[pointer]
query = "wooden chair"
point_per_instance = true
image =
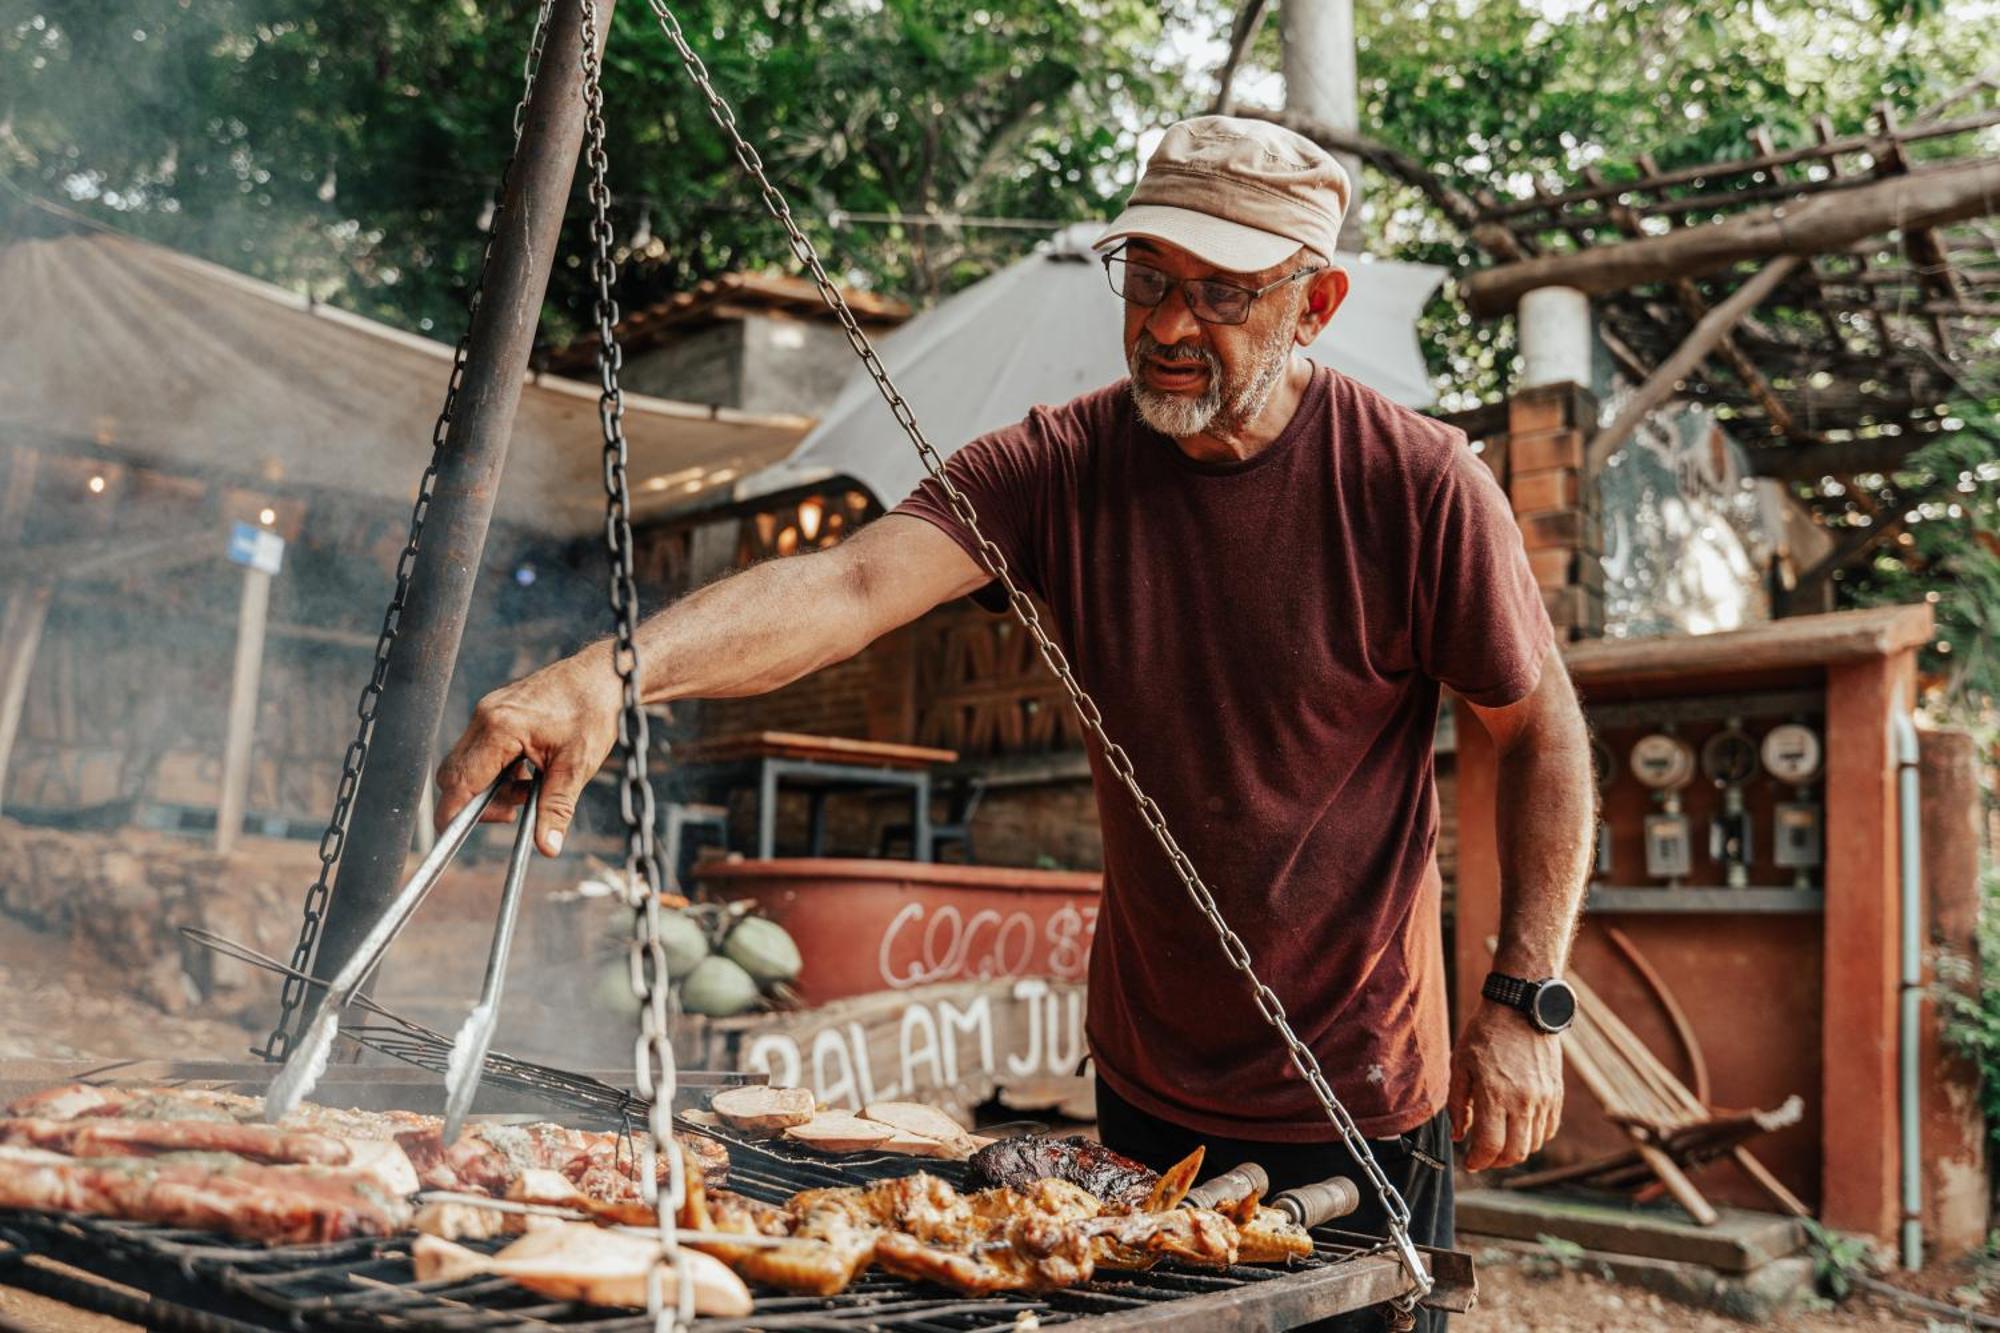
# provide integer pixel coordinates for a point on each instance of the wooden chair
(1673, 1129)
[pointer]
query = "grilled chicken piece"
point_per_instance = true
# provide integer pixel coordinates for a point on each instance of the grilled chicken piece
(1268, 1236)
(1110, 1176)
(1175, 1184)
(575, 1261)
(1140, 1240)
(1029, 1254)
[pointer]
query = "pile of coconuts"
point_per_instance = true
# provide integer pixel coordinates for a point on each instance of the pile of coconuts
(723, 960)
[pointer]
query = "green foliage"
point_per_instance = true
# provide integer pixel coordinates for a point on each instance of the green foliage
(1837, 1259)
(1967, 992)
(1949, 554)
(351, 146)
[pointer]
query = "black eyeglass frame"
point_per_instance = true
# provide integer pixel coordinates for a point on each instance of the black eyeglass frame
(1185, 285)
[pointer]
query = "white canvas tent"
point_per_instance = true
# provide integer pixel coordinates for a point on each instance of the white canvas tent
(107, 341)
(1045, 330)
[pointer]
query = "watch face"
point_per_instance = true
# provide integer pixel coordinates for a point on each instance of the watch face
(1555, 1006)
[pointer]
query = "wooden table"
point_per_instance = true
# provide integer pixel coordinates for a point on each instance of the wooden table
(817, 764)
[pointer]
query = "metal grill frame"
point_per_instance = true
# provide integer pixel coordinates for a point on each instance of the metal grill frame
(199, 1281)
(204, 1283)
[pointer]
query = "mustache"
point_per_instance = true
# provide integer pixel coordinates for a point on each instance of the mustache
(1150, 346)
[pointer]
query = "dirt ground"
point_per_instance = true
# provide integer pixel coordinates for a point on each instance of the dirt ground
(1518, 1295)
(55, 1006)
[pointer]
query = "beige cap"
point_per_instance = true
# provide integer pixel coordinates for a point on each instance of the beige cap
(1242, 195)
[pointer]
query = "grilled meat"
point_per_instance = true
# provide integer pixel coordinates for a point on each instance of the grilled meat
(282, 1205)
(574, 1261)
(1111, 1176)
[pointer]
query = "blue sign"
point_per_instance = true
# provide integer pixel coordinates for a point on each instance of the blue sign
(259, 548)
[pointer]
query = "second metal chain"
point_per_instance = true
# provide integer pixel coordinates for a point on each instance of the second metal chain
(995, 561)
(653, 1053)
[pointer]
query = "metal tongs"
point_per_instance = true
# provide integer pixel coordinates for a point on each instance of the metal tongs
(308, 1060)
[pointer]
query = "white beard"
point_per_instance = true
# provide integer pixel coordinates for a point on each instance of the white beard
(1228, 406)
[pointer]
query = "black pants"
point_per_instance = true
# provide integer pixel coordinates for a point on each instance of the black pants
(1418, 1164)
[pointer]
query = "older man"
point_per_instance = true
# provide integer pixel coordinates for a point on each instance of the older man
(1264, 572)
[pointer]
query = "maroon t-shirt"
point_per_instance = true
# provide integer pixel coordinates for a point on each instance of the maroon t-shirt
(1267, 639)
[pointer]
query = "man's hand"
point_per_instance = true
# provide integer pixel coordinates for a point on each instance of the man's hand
(563, 717)
(1506, 1088)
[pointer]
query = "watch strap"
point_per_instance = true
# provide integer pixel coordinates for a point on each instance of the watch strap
(1514, 992)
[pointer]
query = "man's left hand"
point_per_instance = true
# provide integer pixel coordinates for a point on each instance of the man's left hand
(1506, 1088)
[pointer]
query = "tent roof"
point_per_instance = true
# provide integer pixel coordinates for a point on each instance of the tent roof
(176, 362)
(1044, 330)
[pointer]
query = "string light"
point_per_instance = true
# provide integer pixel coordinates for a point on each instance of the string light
(268, 517)
(97, 485)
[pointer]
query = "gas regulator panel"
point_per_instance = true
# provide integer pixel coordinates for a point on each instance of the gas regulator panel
(1713, 798)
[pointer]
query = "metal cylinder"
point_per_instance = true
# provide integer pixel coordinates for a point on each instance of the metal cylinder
(447, 565)
(1232, 1186)
(1317, 1204)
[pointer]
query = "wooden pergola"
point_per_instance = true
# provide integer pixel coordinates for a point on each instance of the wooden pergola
(1828, 299)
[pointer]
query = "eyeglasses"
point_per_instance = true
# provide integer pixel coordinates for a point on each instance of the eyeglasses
(1210, 300)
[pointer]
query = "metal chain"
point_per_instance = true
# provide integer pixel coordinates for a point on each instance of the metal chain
(334, 840)
(653, 1053)
(1115, 756)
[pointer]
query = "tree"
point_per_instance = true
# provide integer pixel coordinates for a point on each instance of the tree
(351, 147)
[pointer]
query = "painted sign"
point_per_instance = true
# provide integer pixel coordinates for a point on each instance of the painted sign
(928, 941)
(950, 1044)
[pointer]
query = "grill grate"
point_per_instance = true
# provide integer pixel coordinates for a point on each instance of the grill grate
(211, 1282)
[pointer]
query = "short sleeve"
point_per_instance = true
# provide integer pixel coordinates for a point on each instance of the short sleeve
(1479, 625)
(1007, 476)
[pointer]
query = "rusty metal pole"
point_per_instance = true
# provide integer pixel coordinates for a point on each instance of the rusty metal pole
(447, 564)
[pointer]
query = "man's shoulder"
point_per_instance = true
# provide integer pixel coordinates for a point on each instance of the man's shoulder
(1056, 431)
(1391, 442)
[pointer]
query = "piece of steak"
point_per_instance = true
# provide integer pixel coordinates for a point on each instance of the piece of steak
(1082, 1162)
(280, 1205)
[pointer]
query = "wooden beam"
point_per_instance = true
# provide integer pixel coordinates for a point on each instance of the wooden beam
(1813, 226)
(1928, 257)
(253, 614)
(20, 635)
(1705, 335)
(1841, 458)
(1872, 144)
(1696, 307)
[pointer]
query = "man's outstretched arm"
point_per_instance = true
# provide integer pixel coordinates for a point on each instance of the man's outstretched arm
(746, 634)
(1507, 1078)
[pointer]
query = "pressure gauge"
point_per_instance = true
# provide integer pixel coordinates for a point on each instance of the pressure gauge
(1663, 762)
(1603, 764)
(1729, 758)
(1792, 753)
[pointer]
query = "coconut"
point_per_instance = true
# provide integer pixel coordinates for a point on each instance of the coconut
(718, 988)
(685, 942)
(763, 949)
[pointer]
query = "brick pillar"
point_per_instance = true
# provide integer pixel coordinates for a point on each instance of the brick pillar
(1541, 465)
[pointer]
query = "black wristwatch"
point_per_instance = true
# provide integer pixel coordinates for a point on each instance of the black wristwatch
(1549, 1004)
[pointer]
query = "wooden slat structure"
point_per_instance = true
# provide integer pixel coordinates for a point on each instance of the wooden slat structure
(1878, 255)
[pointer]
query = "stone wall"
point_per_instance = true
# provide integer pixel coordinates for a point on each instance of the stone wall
(113, 904)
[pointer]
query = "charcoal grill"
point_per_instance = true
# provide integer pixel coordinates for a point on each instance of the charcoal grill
(188, 1280)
